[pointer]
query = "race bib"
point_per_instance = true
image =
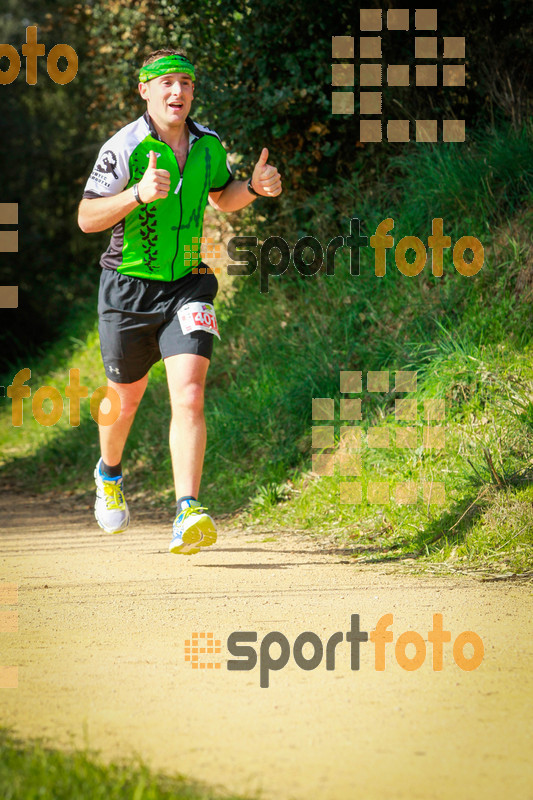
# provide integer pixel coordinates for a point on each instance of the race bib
(198, 317)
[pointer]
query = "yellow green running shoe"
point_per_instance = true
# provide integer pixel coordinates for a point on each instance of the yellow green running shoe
(110, 509)
(192, 529)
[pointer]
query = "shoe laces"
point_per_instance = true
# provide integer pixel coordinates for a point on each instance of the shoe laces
(114, 496)
(187, 512)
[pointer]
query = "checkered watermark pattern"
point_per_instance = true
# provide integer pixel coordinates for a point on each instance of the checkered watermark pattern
(9, 243)
(8, 624)
(373, 73)
(202, 644)
(201, 247)
(348, 456)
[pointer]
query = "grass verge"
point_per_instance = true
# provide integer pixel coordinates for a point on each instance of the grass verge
(32, 771)
(465, 503)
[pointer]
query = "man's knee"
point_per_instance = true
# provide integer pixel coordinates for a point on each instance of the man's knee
(129, 406)
(130, 396)
(189, 397)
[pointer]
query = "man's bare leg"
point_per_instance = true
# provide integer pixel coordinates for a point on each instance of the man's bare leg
(111, 510)
(113, 437)
(186, 376)
(193, 528)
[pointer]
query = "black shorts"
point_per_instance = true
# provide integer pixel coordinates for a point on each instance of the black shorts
(138, 322)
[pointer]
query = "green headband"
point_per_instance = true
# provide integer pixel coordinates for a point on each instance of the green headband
(164, 66)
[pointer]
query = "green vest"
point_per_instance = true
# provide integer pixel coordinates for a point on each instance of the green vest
(159, 240)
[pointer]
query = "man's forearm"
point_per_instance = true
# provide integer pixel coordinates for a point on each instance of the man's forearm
(100, 213)
(234, 197)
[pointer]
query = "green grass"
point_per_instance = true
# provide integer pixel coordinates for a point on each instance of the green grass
(486, 519)
(469, 339)
(33, 771)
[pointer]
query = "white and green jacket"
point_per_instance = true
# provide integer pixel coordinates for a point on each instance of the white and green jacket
(155, 240)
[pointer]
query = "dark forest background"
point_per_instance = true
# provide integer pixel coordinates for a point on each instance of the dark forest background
(264, 77)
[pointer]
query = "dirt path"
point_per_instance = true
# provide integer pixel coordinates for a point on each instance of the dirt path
(100, 649)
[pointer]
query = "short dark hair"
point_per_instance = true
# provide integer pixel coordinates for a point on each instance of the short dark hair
(155, 54)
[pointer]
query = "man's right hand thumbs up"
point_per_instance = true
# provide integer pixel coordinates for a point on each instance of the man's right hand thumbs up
(266, 179)
(155, 183)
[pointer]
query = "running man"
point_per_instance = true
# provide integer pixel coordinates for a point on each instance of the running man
(151, 183)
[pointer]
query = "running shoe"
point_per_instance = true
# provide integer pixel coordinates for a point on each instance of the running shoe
(192, 529)
(110, 509)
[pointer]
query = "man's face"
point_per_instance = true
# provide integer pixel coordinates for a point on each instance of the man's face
(168, 98)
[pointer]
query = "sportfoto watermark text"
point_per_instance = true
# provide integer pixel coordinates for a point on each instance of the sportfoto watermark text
(308, 254)
(275, 649)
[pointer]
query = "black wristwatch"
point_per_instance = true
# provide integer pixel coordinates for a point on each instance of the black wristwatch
(136, 194)
(251, 189)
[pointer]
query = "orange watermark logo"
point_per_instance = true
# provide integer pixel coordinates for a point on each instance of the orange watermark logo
(201, 645)
(74, 391)
(200, 248)
(32, 50)
(441, 62)
(9, 243)
(348, 457)
(309, 651)
(309, 256)
(9, 623)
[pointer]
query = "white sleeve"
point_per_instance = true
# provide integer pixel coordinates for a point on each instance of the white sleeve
(111, 172)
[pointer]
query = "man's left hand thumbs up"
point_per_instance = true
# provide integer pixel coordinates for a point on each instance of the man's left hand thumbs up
(266, 179)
